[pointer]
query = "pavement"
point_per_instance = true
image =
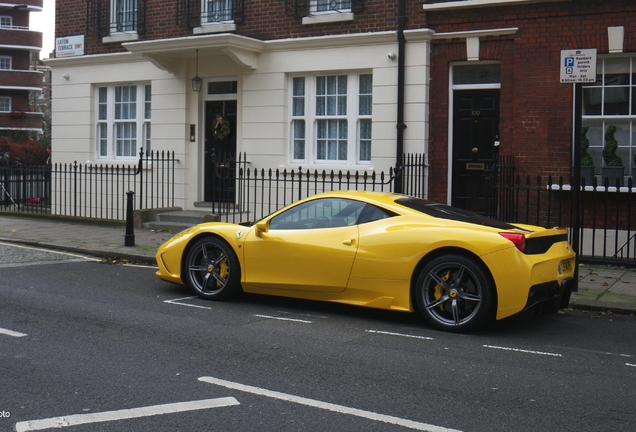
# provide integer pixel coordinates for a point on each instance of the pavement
(603, 288)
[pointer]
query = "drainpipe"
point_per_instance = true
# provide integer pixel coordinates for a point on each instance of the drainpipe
(400, 93)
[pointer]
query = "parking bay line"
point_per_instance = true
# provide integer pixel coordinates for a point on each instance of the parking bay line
(399, 334)
(106, 416)
(327, 406)
(283, 318)
(523, 351)
(178, 302)
(11, 333)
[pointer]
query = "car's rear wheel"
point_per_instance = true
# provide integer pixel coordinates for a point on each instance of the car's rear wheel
(454, 293)
(212, 269)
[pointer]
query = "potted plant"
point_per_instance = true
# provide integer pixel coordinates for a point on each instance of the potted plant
(587, 163)
(613, 169)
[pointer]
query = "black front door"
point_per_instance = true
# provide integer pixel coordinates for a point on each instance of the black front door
(475, 146)
(220, 144)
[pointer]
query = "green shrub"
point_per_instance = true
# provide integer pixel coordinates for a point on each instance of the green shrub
(586, 158)
(609, 150)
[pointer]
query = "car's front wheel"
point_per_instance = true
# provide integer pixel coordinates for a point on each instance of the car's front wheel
(454, 293)
(212, 269)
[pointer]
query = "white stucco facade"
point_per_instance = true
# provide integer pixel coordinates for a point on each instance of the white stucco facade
(263, 71)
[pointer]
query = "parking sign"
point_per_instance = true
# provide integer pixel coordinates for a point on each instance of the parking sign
(578, 66)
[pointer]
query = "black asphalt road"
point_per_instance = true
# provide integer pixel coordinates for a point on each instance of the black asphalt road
(90, 342)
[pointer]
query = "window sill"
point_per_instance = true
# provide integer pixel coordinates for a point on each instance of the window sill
(328, 18)
(568, 188)
(326, 167)
(215, 28)
(123, 37)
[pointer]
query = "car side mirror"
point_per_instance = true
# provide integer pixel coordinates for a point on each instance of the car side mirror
(261, 228)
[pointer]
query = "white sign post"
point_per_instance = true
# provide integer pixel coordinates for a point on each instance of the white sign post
(578, 66)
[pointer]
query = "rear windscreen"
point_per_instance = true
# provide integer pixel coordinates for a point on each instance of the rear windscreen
(443, 211)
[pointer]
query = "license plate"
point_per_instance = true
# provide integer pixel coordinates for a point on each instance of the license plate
(565, 266)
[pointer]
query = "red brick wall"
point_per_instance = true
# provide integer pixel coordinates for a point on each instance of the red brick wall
(536, 109)
(264, 19)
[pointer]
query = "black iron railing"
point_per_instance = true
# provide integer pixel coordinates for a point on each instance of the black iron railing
(89, 190)
(608, 213)
(244, 193)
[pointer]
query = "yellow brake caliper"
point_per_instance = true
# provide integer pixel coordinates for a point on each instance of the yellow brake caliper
(224, 271)
(438, 289)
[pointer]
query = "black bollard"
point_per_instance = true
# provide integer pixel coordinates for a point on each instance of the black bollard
(129, 238)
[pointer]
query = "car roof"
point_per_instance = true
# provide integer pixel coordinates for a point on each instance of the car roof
(405, 204)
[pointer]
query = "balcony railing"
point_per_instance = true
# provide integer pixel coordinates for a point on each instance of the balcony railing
(190, 13)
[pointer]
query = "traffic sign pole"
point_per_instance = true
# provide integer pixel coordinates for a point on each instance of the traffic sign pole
(577, 67)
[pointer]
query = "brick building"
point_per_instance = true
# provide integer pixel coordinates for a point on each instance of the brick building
(17, 45)
(330, 85)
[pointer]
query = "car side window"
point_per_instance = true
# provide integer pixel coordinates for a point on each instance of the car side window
(319, 213)
(372, 213)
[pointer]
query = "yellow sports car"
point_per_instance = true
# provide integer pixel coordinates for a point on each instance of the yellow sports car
(381, 250)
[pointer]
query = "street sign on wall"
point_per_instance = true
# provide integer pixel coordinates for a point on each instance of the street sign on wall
(578, 66)
(69, 46)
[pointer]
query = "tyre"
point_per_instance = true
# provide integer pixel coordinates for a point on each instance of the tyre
(454, 293)
(211, 269)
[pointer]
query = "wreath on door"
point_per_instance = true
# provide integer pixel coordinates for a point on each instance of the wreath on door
(220, 127)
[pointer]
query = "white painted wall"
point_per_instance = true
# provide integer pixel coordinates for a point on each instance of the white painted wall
(263, 101)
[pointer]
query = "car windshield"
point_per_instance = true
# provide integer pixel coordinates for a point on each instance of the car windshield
(443, 211)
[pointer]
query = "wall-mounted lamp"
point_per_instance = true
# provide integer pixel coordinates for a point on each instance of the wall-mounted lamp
(66, 76)
(196, 81)
(392, 56)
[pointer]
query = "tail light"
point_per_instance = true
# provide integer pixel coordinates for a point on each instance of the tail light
(519, 240)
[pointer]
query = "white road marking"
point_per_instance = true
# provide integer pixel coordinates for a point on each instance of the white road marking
(283, 319)
(524, 351)
(560, 347)
(11, 333)
(84, 257)
(78, 419)
(177, 302)
(327, 406)
(399, 334)
(629, 364)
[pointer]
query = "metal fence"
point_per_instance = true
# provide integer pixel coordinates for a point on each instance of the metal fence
(244, 193)
(89, 190)
(607, 231)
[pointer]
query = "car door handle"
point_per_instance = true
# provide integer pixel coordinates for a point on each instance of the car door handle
(349, 242)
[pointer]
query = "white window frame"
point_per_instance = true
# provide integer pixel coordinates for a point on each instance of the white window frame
(6, 21)
(131, 8)
(319, 16)
(114, 116)
(6, 61)
(304, 147)
(5, 103)
(609, 91)
(228, 5)
(318, 7)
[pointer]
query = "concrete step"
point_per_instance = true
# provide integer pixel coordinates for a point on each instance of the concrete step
(179, 220)
(174, 227)
(192, 217)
